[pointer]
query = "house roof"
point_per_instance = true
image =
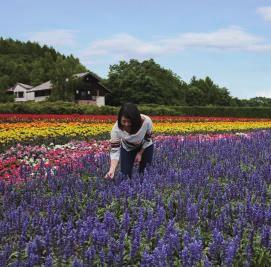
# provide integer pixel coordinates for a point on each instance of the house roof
(26, 86)
(105, 87)
(80, 75)
(11, 89)
(83, 74)
(48, 85)
(44, 86)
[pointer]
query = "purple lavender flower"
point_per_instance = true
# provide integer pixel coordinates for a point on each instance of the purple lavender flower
(49, 261)
(135, 241)
(77, 263)
(126, 220)
(195, 249)
(230, 250)
(147, 259)
(265, 236)
(160, 254)
(217, 245)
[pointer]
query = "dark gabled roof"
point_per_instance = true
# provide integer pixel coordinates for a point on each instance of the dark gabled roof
(83, 74)
(80, 75)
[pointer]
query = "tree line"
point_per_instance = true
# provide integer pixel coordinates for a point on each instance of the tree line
(143, 82)
(147, 82)
(33, 64)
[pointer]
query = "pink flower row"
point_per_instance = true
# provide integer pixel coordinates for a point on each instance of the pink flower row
(55, 156)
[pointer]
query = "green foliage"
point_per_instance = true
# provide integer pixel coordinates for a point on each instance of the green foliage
(64, 83)
(258, 102)
(60, 107)
(148, 83)
(210, 111)
(204, 92)
(33, 64)
(194, 96)
(144, 82)
(56, 107)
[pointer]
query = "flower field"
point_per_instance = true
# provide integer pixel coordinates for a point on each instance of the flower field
(37, 129)
(204, 202)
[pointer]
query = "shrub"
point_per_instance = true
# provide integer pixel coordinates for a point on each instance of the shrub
(60, 107)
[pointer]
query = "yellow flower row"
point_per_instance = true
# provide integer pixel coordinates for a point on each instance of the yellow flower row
(218, 126)
(18, 132)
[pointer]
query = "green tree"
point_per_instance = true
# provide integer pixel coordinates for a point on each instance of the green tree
(212, 94)
(63, 79)
(194, 96)
(144, 82)
(4, 83)
(29, 63)
(259, 102)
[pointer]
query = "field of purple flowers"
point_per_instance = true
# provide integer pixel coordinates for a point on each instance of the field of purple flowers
(203, 203)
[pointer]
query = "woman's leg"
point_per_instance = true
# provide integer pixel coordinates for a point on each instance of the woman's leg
(146, 158)
(127, 159)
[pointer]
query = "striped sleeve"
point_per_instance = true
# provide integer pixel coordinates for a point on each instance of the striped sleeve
(148, 136)
(115, 143)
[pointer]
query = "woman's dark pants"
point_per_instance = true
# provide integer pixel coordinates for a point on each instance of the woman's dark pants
(127, 159)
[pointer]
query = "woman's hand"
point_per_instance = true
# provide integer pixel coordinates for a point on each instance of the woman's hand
(110, 174)
(113, 166)
(138, 157)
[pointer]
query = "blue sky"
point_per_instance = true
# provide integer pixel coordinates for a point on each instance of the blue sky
(230, 41)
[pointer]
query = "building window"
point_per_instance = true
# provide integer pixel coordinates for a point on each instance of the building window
(77, 92)
(88, 92)
(83, 94)
(43, 93)
(20, 94)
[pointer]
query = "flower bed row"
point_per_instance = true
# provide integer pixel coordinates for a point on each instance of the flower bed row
(62, 132)
(21, 163)
(108, 118)
(201, 204)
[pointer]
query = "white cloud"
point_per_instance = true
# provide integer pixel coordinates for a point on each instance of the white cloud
(124, 45)
(264, 93)
(58, 37)
(232, 38)
(127, 46)
(265, 12)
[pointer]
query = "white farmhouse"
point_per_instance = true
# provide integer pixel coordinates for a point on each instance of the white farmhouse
(21, 92)
(42, 91)
(90, 91)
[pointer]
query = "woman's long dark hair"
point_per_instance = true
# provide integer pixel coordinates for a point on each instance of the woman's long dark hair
(131, 112)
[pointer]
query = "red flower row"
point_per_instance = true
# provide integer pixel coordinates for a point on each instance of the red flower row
(108, 118)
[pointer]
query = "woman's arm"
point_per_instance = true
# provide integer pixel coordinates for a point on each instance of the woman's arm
(114, 152)
(148, 136)
(113, 165)
(146, 141)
